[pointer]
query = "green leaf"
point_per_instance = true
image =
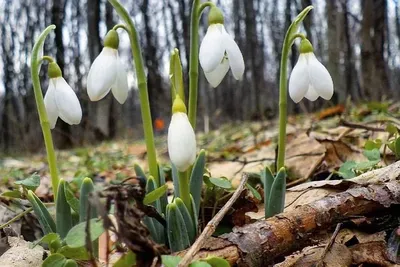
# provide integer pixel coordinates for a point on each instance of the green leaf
(77, 235)
(63, 211)
(375, 144)
(347, 169)
(12, 194)
(199, 264)
(391, 129)
(70, 197)
(187, 218)
(372, 155)
(70, 263)
(163, 198)
(196, 179)
(74, 253)
(175, 180)
(54, 260)
(366, 165)
(221, 182)
(276, 201)
(46, 221)
(195, 215)
(139, 171)
(155, 194)
(217, 262)
(176, 229)
(397, 147)
(170, 261)
(87, 187)
(159, 229)
(268, 180)
(31, 183)
(128, 259)
(253, 191)
(46, 239)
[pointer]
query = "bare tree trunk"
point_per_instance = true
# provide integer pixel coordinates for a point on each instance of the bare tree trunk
(62, 136)
(373, 65)
(152, 59)
(334, 48)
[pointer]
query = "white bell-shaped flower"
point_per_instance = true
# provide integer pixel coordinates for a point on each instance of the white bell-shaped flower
(60, 100)
(309, 78)
(219, 51)
(108, 73)
(181, 138)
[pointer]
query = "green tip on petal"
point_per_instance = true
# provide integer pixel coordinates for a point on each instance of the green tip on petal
(178, 105)
(54, 70)
(111, 40)
(306, 46)
(215, 16)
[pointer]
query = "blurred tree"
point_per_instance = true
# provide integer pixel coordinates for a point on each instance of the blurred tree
(373, 65)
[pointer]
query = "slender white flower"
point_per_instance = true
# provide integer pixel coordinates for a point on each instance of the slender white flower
(219, 51)
(108, 73)
(309, 78)
(60, 100)
(181, 137)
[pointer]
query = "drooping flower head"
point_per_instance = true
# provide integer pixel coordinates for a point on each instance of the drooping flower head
(219, 52)
(60, 100)
(107, 72)
(181, 137)
(309, 78)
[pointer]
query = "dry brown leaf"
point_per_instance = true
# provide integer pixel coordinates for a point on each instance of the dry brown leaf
(370, 253)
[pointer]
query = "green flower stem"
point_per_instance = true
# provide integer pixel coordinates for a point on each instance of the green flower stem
(290, 36)
(184, 190)
(143, 91)
(48, 58)
(44, 121)
(197, 9)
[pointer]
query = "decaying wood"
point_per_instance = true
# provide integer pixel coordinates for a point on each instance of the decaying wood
(260, 243)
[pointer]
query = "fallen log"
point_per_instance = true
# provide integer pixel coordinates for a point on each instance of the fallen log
(260, 243)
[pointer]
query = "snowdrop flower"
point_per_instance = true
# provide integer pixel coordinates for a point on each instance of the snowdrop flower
(219, 52)
(309, 78)
(107, 72)
(181, 137)
(60, 100)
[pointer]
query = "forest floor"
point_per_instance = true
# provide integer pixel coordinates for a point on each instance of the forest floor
(324, 150)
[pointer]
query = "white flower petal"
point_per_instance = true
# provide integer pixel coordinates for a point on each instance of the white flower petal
(320, 78)
(216, 76)
(311, 94)
(181, 142)
(212, 49)
(67, 102)
(102, 74)
(299, 80)
(50, 104)
(120, 88)
(235, 56)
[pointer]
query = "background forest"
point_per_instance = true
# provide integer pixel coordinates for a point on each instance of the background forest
(358, 41)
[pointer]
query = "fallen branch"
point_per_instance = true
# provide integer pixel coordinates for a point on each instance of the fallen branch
(355, 125)
(212, 225)
(260, 243)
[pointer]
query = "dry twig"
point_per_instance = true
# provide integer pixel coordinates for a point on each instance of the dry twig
(212, 225)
